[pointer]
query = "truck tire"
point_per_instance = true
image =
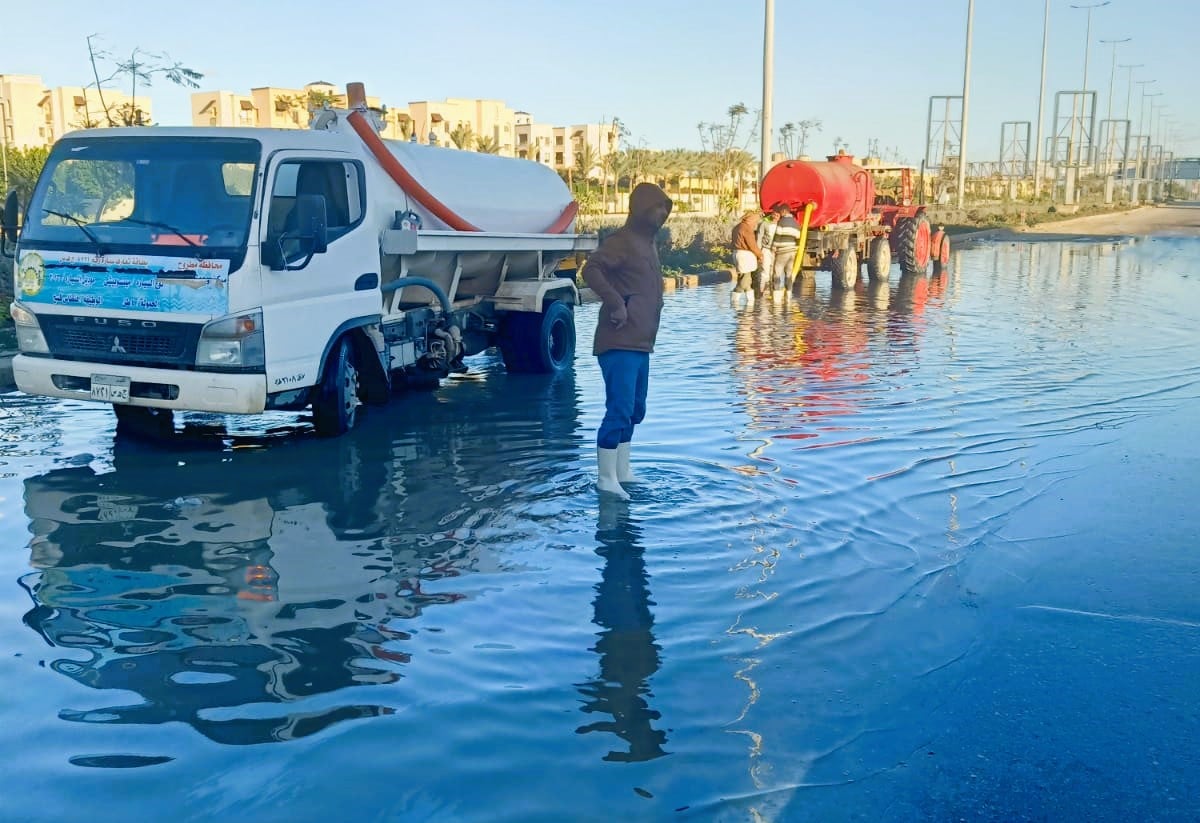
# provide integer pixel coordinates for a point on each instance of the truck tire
(845, 269)
(544, 343)
(335, 407)
(879, 259)
(144, 421)
(912, 236)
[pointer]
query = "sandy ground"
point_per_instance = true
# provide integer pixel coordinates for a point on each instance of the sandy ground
(1176, 220)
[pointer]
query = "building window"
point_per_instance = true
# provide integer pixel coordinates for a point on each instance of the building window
(558, 140)
(558, 158)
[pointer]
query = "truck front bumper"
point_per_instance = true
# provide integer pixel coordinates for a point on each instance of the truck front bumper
(159, 388)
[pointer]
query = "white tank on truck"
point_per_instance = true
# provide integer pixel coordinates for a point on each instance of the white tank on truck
(244, 269)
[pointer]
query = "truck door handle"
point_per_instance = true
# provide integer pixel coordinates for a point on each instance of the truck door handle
(366, 282)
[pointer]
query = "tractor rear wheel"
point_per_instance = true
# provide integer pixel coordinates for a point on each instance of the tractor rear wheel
(913, 244)
(879, 259)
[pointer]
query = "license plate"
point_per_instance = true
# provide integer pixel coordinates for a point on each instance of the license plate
(110, 388)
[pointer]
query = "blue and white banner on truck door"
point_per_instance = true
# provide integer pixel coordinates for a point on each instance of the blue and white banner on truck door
(124, 281)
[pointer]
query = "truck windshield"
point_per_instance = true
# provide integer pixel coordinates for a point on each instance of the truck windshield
(164, 195)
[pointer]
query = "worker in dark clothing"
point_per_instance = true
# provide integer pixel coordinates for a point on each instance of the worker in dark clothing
(626, 275)
(784, 244)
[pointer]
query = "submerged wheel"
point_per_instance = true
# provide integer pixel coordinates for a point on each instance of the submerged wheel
(941, 256)
(879, 259)
(335, 408)
(845, 269)
(143, 420)
(912, 244)
(533, 343)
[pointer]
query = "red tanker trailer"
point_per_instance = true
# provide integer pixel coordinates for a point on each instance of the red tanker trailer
(844, 222)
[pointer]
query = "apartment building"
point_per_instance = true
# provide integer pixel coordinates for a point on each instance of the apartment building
(455, 122)
(33, 115)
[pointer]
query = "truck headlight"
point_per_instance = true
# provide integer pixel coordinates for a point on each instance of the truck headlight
(232, 342)
(30, 339)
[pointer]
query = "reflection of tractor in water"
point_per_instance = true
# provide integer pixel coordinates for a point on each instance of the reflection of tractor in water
(850, 213)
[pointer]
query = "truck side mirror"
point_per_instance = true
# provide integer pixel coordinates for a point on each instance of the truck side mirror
(8, 225)
(307, 234)
(312, 222)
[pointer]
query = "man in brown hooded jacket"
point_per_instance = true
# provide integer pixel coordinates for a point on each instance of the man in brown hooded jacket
(625, 274)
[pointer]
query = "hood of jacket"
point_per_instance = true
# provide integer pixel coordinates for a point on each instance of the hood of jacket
(643, 201)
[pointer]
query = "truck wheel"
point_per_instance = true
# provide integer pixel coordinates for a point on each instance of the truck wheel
(879, 259)
(845, 269)
(335, 408)
(542, 343)
(144, 420)
(941, 257)
(912, 244)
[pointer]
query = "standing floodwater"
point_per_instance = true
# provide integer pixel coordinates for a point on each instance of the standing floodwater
(918, 551)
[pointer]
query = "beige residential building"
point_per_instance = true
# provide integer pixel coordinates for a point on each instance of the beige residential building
(276, 107)
(435, 122)
(33, 115)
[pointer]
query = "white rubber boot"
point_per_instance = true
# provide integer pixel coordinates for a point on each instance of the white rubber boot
(777, 295)
(624, 470)
(607, 481)
(749, 299)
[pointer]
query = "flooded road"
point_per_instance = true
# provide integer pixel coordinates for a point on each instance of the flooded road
(921, 552)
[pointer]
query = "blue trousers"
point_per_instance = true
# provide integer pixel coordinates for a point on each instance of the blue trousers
(626, 379)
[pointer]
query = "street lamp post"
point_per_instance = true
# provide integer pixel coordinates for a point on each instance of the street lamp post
(4, 109)
(767, 84)
(966, 93)
(1037, 157)
(1129, 87)
(1087, 50)
(1112, 76)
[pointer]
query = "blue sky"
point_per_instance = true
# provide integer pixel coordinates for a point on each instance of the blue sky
(866, 69)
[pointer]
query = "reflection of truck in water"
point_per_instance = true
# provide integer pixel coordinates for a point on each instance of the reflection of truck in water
(240, 270)
(267, 578)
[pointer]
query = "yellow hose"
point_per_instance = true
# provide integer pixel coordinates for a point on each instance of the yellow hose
(808, 210)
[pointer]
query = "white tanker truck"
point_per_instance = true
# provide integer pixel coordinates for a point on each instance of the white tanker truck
(245, 269)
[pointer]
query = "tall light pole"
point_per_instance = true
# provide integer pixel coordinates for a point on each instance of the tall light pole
(1087, 46)
(1112, 75)
(4, 108)
(1037, 157)
(1129, 89)
(966, 99)
(767, 84)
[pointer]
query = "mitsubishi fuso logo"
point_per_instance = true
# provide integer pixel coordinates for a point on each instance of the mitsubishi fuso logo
(117, 347)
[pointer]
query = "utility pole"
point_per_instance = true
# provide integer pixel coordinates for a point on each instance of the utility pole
(1108, 137)
(1037, 161)
(962, 141)
(1112, 75)
(767, 84)
(4, 110)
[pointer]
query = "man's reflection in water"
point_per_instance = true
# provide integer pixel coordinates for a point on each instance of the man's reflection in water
(628, 653)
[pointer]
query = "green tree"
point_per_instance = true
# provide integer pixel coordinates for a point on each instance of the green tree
(462, 136)
(487, 145)
(139, 69)
(24, 166)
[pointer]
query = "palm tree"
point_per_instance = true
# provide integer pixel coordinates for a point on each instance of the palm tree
(462, 136)
(487, 145)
